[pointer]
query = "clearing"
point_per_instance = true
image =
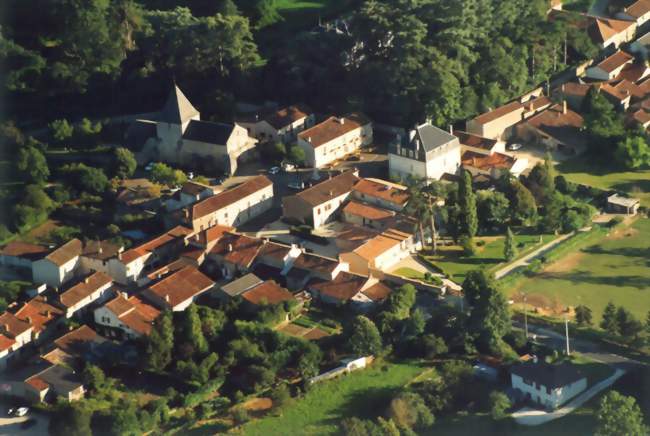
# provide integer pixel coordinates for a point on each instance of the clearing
(612, 268)
(636, 183)
(489, 256)
(321, 410)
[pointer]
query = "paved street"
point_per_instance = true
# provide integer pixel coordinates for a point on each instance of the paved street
(525, 260)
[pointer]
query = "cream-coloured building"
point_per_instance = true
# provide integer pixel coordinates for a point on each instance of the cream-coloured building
(14, 334)
(232, 207)
(282, 125)
(639, 12)
(319, 204)
(59, 266)
(427, 152)
(96, 288)
(381, 252)
(334, 138)
(611, 66)
(178, 135)
(126, 317)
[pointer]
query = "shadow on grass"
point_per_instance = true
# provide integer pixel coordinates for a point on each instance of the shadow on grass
(624, 251)
(582, 277)
(641, 185)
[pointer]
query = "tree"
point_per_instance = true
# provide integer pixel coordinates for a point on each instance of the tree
(400, 301)
(34, 196)
(280, 396)
(619, 414)
(522, 202)
(493, 209)
(417, 206)
(583, 315)
(364, 339)
(72, 420)
(489, 318)
(541, 181)
(409, 410)
(628, 326)
(94, 378)
(433, 346)
(61, 130)
(125, 163)
(499, 403)
(93, 180)
(164, 174)
(647, 327)
(192, 332)
(273, 152)
(602, 123)
(160, 343)
(510, 246)
(297, 155)
(467, 202)
(124, 420)
(87, 133)
(609, 323)
(633, 152)
(33, 164)
(416, 322)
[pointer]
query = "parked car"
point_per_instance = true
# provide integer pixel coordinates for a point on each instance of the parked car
(274, 170)
(515, 146)
(20, 411)
(288, 167)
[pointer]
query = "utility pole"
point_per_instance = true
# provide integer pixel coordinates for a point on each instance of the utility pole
(566, 331)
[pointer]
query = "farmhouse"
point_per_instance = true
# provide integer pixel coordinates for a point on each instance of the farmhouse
(610, 67)
(334, 138)
(619, 204)
(546, 384)
(381, 193)
(380, 253)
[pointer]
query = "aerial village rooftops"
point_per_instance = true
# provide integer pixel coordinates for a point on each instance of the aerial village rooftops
(238, 249)
(208, 132)
(475, 141)
(638, 9)
(501, 111)
(381, 243)
(134, 312)
(181, 286)
(85, 288)
(39, 312)
(155, 243)
(241, 285)
(344, 286)
(615, 61)
(367, 211)
(287, 115)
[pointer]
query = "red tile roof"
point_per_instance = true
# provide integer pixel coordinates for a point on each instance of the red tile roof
(23, 249)
(381, 244)
(85, 288)
(65, 253)
(617, 60)
(487, 161)
(268, 292)
(181, 286)
(499, 112)
(276, 251)
(387, 191)
(238, 249)
(329, 189)
(332, 128)
(343, 287)
(12, 326)
(377, 292)
(229, 196)
(288, 115)
(75, 341)
(39, 313)
(37, 383)
(6, 342)
(603, 29)
(155, 243)
(367, 211)
(134, 313)
(638, 9)
(475, 141)
(554, 117)
(312, 262)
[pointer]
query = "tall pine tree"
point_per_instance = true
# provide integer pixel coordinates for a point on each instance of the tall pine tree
(609, 322)
(510, 247)
(467, 201)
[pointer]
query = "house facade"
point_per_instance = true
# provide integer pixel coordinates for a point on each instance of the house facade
(379, 253)
(548, 385)
(282, 125)
(59, 266)
(334, 138)
(427, 152)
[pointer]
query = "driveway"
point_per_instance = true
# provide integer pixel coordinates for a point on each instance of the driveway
(12, 425)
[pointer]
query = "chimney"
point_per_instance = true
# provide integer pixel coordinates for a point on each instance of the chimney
(48, 314)
(186, 213)
(99, 247)
(167, 298)
(28, 319)
(309, 139)
(411, 135)
(229, 247)
(119, 255)
(564, 106)
(6, 327)
(451, 129)
(341, 120)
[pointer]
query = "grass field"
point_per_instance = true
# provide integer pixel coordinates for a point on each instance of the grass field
(364, 394)
(489, 256)
(579, 170)
(612, 268)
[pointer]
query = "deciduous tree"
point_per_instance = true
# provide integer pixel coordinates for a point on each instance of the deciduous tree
(619, 414)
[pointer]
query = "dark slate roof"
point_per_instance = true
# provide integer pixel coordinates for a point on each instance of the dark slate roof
(241, 285)
(206, 131)
(430, 138)
(178, 108)
(548, 375)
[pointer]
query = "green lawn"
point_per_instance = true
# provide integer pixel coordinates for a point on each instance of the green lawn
(292, 5)
(409, 273)
(580, 170)
(611, 268)
(452, 262)
(364, 394)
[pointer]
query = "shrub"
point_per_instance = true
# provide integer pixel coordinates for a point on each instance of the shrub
(467, 243)
(480, 243)
(615, 221)
(240, 416)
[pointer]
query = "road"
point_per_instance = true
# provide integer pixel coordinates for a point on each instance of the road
(12, 425)
(525, 260)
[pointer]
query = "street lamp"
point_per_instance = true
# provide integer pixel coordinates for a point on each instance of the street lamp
(525, 316)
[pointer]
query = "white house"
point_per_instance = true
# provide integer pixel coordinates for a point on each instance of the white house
(334, 138)
(380, 253)
(317, 205)
(427, 152)
(190, 193)
(93, 289)
(59, 266)
(232, 207)
(126, 317)
(610, 67)
(546, 384)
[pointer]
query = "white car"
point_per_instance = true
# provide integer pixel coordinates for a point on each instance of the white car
(274, 170)
(20, 411)
(288, 167)
(514, 147)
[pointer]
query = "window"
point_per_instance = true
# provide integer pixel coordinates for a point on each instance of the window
(318, 211)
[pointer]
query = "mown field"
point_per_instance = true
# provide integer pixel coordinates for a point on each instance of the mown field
(580, 170)
(614, 268)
